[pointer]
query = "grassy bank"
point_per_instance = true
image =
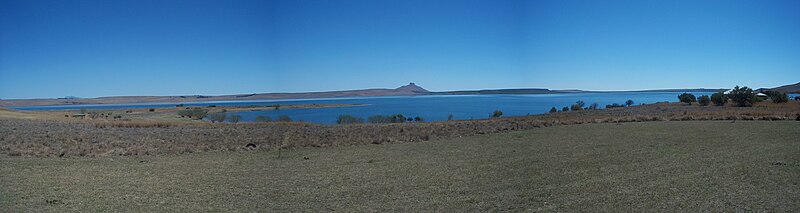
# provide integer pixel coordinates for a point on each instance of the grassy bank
(647, 166)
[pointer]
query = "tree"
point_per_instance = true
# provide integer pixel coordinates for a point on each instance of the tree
(262, 118)
(593, 106)
(565, 109)
(418, 119)
(349, 119)
(687, 98)
(450, 117)
(780, 98)
(552, 110)
(497, 114)
(704, 100)
(628, 102)
(743, 97)
(719, 98)
(235, 118)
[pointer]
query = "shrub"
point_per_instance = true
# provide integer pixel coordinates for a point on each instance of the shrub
(450, 117)
(151, 110)
(217, 117)
(196, 113)
(497, 114)
(552, 110)
(687, 98)
(614, 105)
(780, 98)
(418, 119)
(235, 118)
(593, 106)
(349, 119)
(743, 97)
(719, 98)
(578, 105)
(284, 118)
(565, 109)
(704, 100)
(262, 118)
(628, 102)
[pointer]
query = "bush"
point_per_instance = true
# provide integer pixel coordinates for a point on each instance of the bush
(151, 110)
(565, 109)
(262, 118)
(217, 117)
(235, 118)
(284, 118)
(719, 98)
(593, 106)
(614, 105)
(196, 113)
(687, 98)
(780, 98)
(497, 114)
(450, 117)
(743, 97)
(704, 100)
(628, 102)
(552, 110)
(578, 105)
(349, 119)
(418, 119)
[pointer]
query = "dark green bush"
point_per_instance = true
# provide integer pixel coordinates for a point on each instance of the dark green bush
(497, 114)
(743, 97)
(719, 98)
(552, 110)
(578, 105)
(565, 109)
(628, 102)
(687, 98)
(704, 100)
(780, 98)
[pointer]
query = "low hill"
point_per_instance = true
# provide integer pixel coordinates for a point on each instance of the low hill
(791, 88)
(410, 89)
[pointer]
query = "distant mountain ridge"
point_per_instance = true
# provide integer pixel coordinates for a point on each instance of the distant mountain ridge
(410, 89)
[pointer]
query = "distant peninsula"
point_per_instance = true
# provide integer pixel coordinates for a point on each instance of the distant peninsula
(407, 90)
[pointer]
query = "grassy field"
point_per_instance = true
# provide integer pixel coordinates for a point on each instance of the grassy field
(645, 166)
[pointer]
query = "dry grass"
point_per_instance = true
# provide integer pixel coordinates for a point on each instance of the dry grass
(692, 166)
(100, 137)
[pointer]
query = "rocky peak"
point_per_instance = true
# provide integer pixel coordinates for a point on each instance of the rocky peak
(411, 87)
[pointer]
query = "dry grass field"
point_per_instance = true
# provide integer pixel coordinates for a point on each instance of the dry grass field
(665, 166)
(50, 134)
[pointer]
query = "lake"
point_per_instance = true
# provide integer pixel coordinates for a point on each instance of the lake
(430, 108)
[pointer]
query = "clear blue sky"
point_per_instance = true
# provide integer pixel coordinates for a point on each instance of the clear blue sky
(90, 48)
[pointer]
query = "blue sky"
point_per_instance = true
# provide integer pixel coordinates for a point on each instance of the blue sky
(90, 48)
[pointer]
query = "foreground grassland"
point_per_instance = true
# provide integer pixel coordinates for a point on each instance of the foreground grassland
(607, 167)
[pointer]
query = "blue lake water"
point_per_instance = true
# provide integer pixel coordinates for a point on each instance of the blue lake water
(431, 108)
